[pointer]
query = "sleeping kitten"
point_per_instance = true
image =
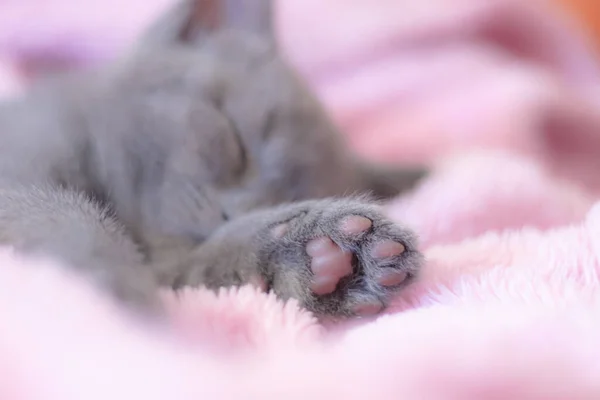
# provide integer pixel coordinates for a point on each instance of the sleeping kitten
(200, 158)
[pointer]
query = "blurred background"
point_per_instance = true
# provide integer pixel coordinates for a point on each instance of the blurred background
(587, 12)
(407, 81)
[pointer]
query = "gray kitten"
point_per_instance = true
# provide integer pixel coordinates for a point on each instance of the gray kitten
(200, 158)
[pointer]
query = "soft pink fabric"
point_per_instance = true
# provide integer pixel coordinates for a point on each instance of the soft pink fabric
(513, 314)
(508, 305)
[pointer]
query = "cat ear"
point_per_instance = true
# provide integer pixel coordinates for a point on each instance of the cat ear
(255, 16)
(192, 20)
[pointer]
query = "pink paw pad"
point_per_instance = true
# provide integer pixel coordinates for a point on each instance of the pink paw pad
(387, 249)
(368, 309)
(279, 231)
(329, 264)
(355, 224)
(392, 278)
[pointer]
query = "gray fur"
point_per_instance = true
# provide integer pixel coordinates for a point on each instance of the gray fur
(248, 241)
(146, 172)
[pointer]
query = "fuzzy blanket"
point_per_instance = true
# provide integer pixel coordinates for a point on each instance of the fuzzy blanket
(508, 305)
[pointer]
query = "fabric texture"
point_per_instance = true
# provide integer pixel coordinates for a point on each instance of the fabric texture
(501, 95)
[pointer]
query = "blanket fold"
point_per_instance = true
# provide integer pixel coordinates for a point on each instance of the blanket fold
(502, 94)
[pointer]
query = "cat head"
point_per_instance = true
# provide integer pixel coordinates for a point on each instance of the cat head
(288, 146)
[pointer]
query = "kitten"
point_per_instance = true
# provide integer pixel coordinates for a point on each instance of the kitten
(201, 158)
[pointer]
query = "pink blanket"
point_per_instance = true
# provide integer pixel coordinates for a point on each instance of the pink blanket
(508, 305)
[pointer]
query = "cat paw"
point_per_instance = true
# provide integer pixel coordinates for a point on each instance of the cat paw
(342, 258)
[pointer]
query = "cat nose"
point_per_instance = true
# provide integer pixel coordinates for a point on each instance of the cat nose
(225, 216)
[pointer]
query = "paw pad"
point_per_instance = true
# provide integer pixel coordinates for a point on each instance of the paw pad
(329, 264)
(355, 224)
(352, 260)
(387, 249)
